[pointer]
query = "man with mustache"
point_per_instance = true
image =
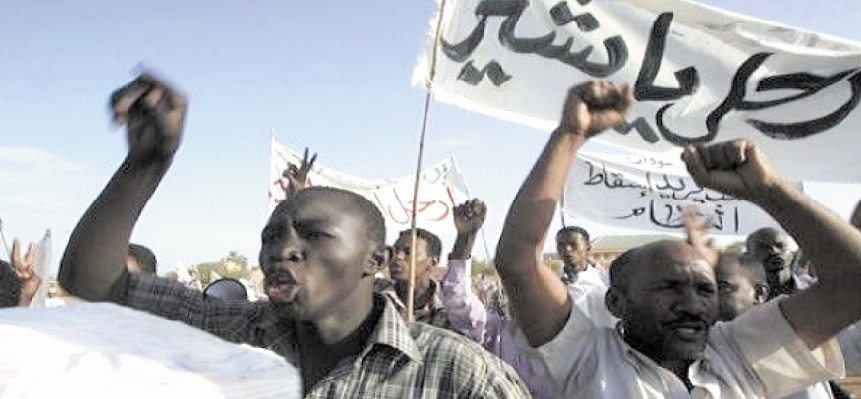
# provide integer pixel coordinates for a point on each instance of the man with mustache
(665, 293)
(320, 251)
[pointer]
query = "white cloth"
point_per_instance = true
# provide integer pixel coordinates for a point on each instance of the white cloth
(588, 291)
(102, 350)
(850, 345)
(758, 355)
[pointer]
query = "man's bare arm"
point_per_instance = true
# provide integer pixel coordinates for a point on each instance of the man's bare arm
(540, 300)
(817, 314)
(95, 257)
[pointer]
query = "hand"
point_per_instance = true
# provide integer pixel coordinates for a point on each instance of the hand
(593, 107)
(737, 168)
(697, 229)
(469, 216)
(297, 177)
(30, 281)
(154, 115)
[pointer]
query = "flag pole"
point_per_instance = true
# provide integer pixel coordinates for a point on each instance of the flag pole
(428, 98)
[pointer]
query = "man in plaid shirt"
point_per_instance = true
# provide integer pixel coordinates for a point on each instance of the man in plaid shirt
(320, 251)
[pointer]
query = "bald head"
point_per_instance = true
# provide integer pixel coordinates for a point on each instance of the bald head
(647, 257)
(666, 297)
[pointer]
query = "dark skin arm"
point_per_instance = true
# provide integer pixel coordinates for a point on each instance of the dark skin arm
(468, 219)
(540, 300)
(154, 115)
(740, 169)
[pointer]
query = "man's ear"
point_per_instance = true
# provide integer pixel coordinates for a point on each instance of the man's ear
(434, 262)
(617, 303)
(760, 293)
(378, 260)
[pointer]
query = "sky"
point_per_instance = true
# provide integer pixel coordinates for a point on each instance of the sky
(330, 75)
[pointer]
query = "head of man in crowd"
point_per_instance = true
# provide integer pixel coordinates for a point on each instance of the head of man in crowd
(228, 289)
(772, 248)
(573, 245)
(141, 260)
(319, 254)
(10, 285)
(855, 218)
(665, 294)
(741, 285)
(428, 249)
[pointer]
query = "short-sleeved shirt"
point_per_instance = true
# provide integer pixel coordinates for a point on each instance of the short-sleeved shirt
(400, 359)
(588, 289)
(757, 355)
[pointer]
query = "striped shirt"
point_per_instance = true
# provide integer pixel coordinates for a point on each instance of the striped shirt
(400, 360)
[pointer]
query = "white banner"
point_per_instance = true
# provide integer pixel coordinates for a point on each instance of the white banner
(442, 188)
(699, 75)
(641, 191)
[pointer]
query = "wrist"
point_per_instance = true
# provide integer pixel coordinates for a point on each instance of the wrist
(462, 248)
(775, 196)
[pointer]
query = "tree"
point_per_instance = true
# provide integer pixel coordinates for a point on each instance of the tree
(234, 265)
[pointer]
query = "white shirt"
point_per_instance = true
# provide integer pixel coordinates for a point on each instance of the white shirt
(757, 355)
(588, 291)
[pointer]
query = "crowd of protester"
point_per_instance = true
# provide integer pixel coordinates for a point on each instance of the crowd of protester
(361, 317)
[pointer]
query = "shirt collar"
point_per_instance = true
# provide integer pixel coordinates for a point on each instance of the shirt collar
(392, 331)
(433, 304)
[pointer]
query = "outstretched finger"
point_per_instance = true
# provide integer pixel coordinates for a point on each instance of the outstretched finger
(16, 253)
(30, 258)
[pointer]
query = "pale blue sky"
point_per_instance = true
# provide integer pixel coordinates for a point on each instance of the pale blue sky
(331, 75)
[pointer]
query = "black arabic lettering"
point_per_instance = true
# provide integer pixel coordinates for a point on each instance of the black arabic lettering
(472, 75)
(672, 219)
(808, 84)
(634, 213)
(617, 51)
(512, 10)
(644, 88)
(594, 178)
(641, 126)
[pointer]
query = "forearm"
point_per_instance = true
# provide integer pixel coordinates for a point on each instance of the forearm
(834, 246)
(525, 227)
(540, 300)
(463, 244)
(96, 253)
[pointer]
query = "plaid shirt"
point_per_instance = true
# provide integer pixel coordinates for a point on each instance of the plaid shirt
(400, 360)
(433, 312)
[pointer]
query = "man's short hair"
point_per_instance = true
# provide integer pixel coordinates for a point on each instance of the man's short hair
(145, 258)
(10, 286)
(753, 269)
(434, 245)
(372, 216)
(765, 231)
(575, 230)
(226, 288)
(619, 270)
